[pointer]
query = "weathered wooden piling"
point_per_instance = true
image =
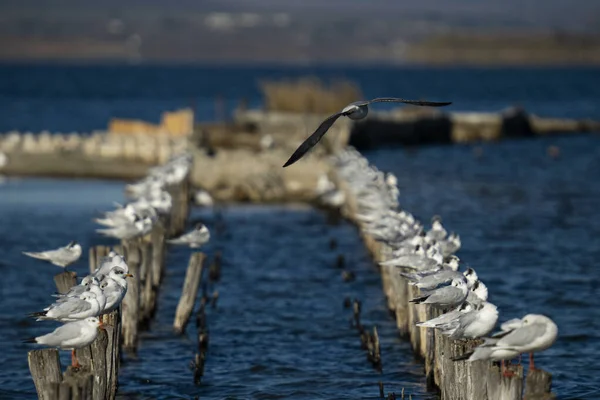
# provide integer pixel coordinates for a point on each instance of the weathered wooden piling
(45, 369)
(200, 357)
(456, 380)
(538, 385)
(189, 291)
(65, 281)
(130, 306)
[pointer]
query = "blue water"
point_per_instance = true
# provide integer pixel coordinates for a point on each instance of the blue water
(528, 223)
(84, 98)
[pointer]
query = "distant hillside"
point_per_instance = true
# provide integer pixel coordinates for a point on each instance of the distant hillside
(311, 31)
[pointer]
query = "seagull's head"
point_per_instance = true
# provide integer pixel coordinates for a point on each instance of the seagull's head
(356, 110)
(535, 318)
(436, 220)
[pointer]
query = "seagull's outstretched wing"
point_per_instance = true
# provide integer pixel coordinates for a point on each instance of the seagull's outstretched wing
(313, 139)
(413, 102)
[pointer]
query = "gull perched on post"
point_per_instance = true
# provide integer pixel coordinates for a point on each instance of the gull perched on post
(62, 257)
(72, 335)
(195, 238)
(357, 110)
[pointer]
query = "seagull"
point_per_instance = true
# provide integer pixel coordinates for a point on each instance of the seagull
(79, 289)
(72, 335)
(515, 331)
(140, 227)
(114, 286)
(203, 198)
(71, 308)
(536, 333)
(110, 262)
(357, 110)
(475, 323)
(62, 257)
(447, 296)
(441, 277)
(196, 238)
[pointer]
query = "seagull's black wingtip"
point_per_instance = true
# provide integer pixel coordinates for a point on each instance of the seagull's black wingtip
(292, 160)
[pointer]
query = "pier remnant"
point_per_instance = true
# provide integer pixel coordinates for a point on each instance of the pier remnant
(189, 292)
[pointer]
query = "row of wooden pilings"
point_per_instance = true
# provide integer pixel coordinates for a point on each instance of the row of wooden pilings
(479, 380)
(145, 257)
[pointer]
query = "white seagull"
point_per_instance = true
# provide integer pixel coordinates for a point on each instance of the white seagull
(62, 257)
(196, 238)
(71, 336)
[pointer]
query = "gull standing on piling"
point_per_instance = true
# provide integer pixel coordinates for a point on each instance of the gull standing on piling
(194, 239)
(447, 296)
(62, 257)
(77, 290)
(71, 308)
(71, 336)
(357, 110)
(114, 286)
(536, 333)
(126, 231)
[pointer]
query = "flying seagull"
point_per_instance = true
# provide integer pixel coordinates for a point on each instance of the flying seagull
(356, 110)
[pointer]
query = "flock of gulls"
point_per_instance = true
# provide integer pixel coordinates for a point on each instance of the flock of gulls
(82, 307)
(426, 258)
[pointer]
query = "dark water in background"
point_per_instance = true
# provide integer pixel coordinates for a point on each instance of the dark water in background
(529, 225)
(84, 98)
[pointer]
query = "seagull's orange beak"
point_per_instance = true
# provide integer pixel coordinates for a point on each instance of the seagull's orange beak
(100, 325)
(128, 276)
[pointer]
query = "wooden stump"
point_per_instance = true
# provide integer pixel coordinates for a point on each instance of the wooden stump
(130, 307)
(538, 385)
(189, 292)
(65, 281)
(45, 369)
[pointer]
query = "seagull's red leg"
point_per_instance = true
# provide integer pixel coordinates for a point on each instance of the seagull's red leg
(531, 363)
(505, 372)
(74, 361)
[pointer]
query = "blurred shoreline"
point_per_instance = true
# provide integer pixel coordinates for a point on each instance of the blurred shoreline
(460, 49)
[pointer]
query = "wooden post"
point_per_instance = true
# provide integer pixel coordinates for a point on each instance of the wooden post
(94, 357)
(96, 254)
(112, 325)
(65, 281)
(80, 382)
(131, 303)
(538, 385)
(189, 292)
(145, 282)
(45, 368)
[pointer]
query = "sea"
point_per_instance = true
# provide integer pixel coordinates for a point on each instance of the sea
(528, 220)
